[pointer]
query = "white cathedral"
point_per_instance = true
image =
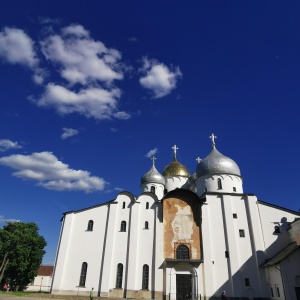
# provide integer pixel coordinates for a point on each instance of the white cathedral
(184, 237)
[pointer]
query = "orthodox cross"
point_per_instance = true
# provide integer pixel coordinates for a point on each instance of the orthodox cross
(175, 149)
(198, 159)
(153, 158)
(213, 137)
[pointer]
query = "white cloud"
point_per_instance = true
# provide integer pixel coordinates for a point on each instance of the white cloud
(8, 144)
(119, 189)
(76, 30)
(4, 220)
(92, 102)
(151, 152)
(80, 58)
(17, 47)
(113, 129)
(122, 115)
(50, 173)
(68, 132)
(158, 78)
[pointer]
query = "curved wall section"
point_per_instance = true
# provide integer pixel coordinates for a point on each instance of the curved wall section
(220, 183)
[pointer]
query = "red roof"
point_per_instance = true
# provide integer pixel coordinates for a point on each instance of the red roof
(45, 271)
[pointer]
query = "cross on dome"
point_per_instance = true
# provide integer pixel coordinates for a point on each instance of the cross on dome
(213, 137)
(153, 158)
(198, 159)
(175, 150)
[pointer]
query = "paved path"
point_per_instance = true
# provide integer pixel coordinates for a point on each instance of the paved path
(11, 297)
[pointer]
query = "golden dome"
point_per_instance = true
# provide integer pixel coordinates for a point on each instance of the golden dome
(176, 169)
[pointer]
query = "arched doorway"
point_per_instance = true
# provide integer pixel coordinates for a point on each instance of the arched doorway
(183, 282)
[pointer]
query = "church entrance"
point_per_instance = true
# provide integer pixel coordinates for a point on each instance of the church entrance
(183, 286)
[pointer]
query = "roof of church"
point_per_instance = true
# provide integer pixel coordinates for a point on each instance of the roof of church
(217, 163)
(45, 271)
(176, 169)
(281, 255)
(153, 176)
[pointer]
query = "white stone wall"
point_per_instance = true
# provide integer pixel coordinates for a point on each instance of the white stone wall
(209, 183)
(159, 189)
(174, 182)
(220, 233)
(40, 284)
(106, 246)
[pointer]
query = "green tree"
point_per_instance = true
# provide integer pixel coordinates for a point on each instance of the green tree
(21, 252)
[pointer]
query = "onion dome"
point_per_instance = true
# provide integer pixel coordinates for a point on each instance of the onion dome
(153, 176)
(175, 168)
(217, 163)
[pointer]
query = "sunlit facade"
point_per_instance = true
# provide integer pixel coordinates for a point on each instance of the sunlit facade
(184, 237)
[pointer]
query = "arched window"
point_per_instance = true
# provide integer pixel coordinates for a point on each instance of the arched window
(219, 184)
(83, 272)
(152, 189)
(123, 226)
(146, 225)
(119, 277)
(123, 205)
(147, 205)
(145, 281)
(90, 225)
(182, 252)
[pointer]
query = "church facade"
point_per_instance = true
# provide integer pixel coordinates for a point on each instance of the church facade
(184, 237)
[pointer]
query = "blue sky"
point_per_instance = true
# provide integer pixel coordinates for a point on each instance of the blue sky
(90, 89)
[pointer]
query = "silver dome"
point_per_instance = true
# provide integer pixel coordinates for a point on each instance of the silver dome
(153, 176)
(217, 163)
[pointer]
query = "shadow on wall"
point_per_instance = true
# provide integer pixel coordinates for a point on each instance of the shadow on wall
(247, 277)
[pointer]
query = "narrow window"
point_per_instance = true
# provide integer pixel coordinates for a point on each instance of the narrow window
(234, 189)
(90, 225)
(152, 189)
(145, 281)
(227, 254)
(272, 293)
(119, 278)
(165, 191)
(234, 216)
(147, 205)
(277, 291)
(242, 232)
(123, 226)
(276, 229)
(247, 281)
(123, 205)
(219, 184)
(83, 272)
(182, 252)
(146, 225)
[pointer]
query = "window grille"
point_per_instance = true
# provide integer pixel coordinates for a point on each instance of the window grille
(119, 278)
(182, 252)
(145, 281)
(83, 274)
